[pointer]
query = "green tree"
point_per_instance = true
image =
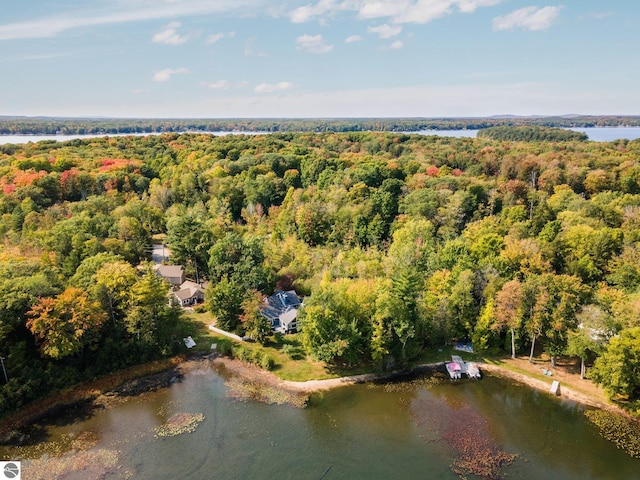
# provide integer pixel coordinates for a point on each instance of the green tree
(618, 368)
(224, 300)
(335, 322)
(85, 276)
(113, 286)
(150, 318)
(190, 239)
(481, 336)
(240, 260)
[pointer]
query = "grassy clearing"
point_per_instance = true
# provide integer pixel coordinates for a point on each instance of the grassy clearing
(291, 363)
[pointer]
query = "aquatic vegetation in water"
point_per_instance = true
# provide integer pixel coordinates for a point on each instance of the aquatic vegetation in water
(178, 424)
(425, 381)
(623, 431)
(463, 430)
(84, 464)
(247, 390)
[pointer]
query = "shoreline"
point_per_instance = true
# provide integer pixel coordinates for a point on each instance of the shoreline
(252, 373)
(163, 374)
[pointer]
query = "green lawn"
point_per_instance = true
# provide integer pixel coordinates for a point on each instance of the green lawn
(291, 363)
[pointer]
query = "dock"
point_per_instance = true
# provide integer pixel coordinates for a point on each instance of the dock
(458, 367)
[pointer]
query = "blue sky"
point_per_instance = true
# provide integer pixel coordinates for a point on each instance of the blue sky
(323, 58)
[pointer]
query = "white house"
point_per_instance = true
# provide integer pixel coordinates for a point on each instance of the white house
(281, 309)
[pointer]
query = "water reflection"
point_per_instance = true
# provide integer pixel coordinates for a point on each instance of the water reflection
(418, 429)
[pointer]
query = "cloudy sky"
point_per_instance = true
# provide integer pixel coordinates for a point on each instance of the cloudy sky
(318, 58)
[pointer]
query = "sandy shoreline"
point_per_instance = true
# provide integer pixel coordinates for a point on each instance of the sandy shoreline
(256, 374)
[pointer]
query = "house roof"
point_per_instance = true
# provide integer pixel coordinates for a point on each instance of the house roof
(170, 271)
(187, 290)
(279, 303)
(287, 317)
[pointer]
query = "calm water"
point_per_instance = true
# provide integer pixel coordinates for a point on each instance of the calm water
(363, 431)
(20, 139)
(595, 134)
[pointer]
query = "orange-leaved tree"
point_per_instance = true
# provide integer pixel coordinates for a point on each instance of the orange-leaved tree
(64, 325)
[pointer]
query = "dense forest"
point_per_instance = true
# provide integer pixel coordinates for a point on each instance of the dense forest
(399, 243)
(100, 126)
(532, 134)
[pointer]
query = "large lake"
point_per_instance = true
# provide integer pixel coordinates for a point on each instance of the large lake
(394, 431)
(596, 134)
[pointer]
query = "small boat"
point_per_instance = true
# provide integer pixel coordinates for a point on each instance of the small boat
(472, 370)
(454, 370)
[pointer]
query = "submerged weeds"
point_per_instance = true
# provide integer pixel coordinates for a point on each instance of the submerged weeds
(248, 390)
(623, 431)
(178, 424)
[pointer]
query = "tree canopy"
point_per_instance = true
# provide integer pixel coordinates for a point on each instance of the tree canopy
(400, 243)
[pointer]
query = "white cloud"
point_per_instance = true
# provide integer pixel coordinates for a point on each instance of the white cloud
(390, 8)
(528, 18)
(397, 11)
(353, 38)
(169, 35)
(167, 73)
(396, 45)
(601, 15)
(386, 31)
(313, 43)
(219, 85)
(273, 87)
(119, 12)
(307, 12)
(470, 6)
(215, 37)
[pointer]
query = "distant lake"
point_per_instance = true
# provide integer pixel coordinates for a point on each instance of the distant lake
(21, 139)
(608, 134)
(596, 134)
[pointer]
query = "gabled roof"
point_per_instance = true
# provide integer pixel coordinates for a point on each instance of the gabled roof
(279, 303)
(170, 271)
(188, 289)
(287, 317)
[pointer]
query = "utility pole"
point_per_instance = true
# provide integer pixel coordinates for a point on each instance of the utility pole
(6, 379)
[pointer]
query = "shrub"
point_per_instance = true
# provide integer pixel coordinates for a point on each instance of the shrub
(289, 350)
(267, 362)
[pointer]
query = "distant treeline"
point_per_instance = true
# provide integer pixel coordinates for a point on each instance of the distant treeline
(106, 126)
(532, 134)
